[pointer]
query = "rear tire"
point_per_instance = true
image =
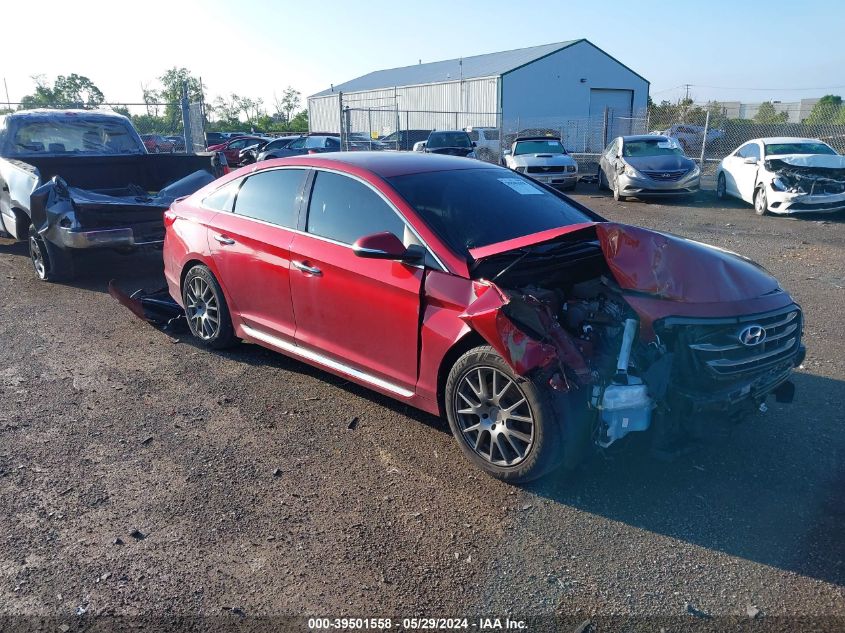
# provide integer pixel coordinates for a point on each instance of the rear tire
(721, 187)
(206, 309)
(761, 202)
(505, 424)
(602, 181)
(50, 262)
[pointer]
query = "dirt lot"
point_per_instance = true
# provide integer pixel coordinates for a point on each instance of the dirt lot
(254, 498)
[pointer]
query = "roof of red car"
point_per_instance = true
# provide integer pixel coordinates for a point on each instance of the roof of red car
(386, 164)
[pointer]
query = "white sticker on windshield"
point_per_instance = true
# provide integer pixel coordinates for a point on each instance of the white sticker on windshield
(521, 187)
(665, 145)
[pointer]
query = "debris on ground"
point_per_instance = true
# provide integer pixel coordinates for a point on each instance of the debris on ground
(353, 424)
(698, 612)
(137, 535)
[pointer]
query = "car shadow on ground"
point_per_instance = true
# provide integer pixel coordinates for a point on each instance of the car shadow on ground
(773, 492)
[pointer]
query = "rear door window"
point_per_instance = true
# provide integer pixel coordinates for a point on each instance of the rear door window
(344, 209)
(272, 196)
(223, 198)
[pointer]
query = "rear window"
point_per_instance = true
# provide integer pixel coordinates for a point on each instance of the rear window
(448, 139)
(47, 134)
(798, 148)
(468, 208)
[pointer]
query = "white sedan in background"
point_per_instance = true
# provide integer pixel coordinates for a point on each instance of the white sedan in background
(784, 175)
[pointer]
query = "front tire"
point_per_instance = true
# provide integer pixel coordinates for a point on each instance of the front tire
(505, 424)
(206, 309)
(761, 201)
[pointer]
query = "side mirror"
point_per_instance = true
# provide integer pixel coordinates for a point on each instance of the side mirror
(749, 160)
(474, 144)
(386, 245)
(507, 152)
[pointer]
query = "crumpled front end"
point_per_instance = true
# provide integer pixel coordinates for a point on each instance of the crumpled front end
(628, 317)
(811, 185)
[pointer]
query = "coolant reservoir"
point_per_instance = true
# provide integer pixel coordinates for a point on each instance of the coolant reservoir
(624, 409)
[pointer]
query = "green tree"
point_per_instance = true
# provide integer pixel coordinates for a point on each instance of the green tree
(288, 104)
(172, 83)
(67, 91)
(828, 109)
(766, 113)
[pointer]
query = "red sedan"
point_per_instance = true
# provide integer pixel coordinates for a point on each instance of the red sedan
(232, 148)
(535, 327)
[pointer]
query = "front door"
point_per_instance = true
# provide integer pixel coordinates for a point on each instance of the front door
(361, 313)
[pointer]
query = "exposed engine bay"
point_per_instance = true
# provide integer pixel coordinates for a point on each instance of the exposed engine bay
(561, 311)
(809, 180)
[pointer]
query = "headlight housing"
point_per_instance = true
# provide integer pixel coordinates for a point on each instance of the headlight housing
(695, 171)
(631, 172)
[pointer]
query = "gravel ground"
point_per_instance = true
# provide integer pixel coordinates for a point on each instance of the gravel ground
(248, 496)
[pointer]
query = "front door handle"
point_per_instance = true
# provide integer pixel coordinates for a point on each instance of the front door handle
(226, 241)
(307, 269)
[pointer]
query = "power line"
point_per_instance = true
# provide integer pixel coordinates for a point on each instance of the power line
(781, 89)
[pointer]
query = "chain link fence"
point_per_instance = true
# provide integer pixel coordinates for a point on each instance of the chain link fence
(707, 132)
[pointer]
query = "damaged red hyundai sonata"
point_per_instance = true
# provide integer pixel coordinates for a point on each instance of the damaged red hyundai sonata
(537, 328)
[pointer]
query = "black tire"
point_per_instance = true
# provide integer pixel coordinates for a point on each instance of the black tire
(761, 202)
(721, 187)
(200, 310)
(542, 454)
(602, 181)
(49, 262)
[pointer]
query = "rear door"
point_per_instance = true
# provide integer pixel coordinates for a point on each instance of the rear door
(250, 246)
(361, 313)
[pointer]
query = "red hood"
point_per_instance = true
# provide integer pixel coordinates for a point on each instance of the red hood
(661, 265)
(214, 148)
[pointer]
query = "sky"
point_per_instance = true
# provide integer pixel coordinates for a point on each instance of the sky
(727, 50)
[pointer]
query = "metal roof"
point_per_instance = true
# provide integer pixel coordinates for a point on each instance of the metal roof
(489, 65)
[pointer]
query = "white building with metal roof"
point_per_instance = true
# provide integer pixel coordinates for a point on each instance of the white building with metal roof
(538, 86)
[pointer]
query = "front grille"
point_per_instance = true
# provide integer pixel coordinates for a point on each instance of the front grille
(712, 352)
(550, 169)
(666, 176)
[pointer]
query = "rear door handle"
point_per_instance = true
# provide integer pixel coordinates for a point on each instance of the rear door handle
(307, 269)
(226, 241)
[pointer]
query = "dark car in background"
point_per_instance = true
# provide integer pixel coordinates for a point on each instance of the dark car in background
(269, 150)
(451, 142)
(214, 138)
(309, 144)
(404, 139)
(178, 143)
(647, 165)
(232, 148)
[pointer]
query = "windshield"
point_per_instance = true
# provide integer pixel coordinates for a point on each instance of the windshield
(652, 147)
(61, 135)
(798, 148)
(448, 139)
(552, 146)
(468, 208)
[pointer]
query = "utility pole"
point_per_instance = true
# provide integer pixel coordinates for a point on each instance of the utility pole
(8, 102)
(686, 96)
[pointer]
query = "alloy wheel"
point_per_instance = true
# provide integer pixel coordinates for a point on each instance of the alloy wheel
(721, 186)
(494, 416)
(202, 309)
(36, 253)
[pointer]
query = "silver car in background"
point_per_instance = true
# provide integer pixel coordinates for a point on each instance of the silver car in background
(544, 159)
(645, 166)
